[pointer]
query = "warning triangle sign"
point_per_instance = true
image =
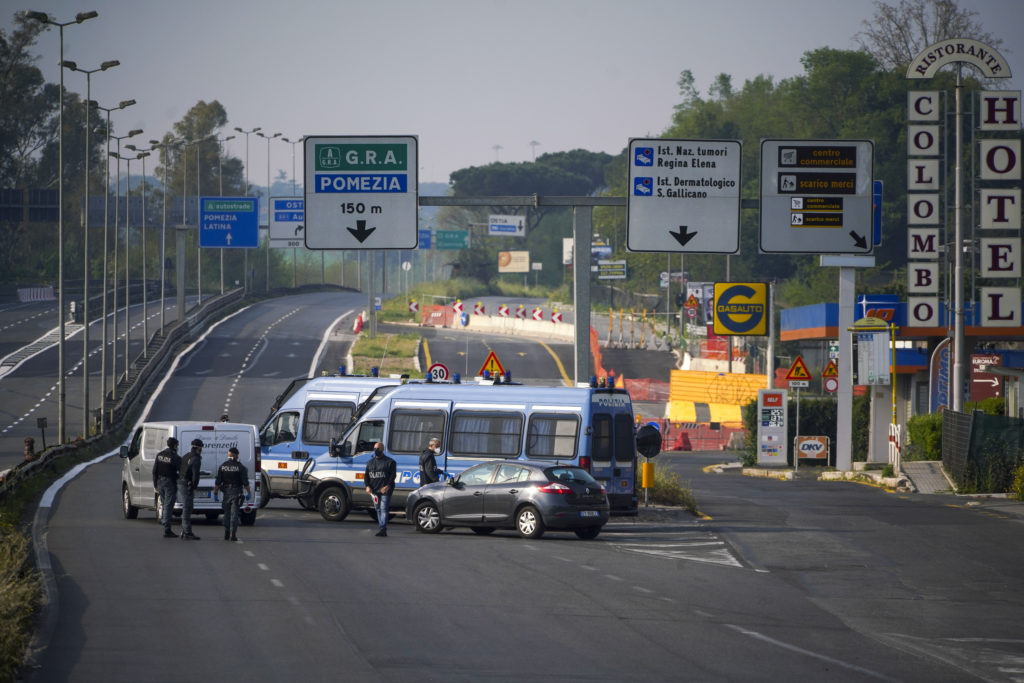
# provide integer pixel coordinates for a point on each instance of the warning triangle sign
(692, 302)
(832, 370)
(492, 365)
(798, 370)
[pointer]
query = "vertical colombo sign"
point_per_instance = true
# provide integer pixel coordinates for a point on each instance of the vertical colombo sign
(1000, 172)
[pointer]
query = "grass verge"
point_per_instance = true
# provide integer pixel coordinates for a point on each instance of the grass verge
(391, 353)
(668, 489)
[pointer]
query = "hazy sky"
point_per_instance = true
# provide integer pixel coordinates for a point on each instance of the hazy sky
(465, 76)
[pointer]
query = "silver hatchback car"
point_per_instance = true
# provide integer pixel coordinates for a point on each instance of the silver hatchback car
(530, 497)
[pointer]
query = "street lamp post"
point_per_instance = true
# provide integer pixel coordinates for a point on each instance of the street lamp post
(127, 261)
(220, 192)
(85, 229)
(117, 223)
(106, 231)
(268, 139)
(294, 257)
(245, 275)
(143, 153)
(44, 18)
(162, 146)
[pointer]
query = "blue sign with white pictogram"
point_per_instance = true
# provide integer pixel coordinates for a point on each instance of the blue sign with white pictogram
(424, 239)
(287, 222)
(228, 222)
(644, 156)
(642, 187)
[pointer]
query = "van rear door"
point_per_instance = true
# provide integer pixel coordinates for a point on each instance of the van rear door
(613, 454)
(216, 442)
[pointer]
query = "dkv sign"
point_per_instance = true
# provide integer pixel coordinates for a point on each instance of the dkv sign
(812, 447)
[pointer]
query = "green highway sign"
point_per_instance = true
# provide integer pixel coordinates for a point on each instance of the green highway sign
(451, 239)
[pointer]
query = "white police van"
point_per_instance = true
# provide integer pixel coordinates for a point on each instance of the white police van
(588, 426)
(150, 438)
(303, 420)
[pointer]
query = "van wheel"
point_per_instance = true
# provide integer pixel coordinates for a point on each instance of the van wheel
(482, 530)
(588, 533)
(130, 511)
(264, 492)
(528, 523)
(333, 504)
(427, 518)
(247, 518)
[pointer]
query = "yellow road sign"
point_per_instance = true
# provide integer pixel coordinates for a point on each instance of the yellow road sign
(832, 370)
(798, 370)
(492, 365)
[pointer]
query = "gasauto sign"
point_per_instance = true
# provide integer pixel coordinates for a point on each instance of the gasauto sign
(741, 308)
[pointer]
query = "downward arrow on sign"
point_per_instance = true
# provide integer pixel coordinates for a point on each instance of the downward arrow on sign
(683, 235)
(360, 232)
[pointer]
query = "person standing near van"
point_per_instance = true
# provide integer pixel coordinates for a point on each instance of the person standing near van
(232, 477)
(188, 480)
(165, 482)
(429, 472)
(381, 472)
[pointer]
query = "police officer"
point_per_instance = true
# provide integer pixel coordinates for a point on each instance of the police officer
(232, 477)
(165, 480)
(380, 477)
(429, 472)
(188, 479)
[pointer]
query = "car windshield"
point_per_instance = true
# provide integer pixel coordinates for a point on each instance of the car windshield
(570, 474)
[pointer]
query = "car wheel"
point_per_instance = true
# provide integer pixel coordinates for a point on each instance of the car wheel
(587, 533)
(427, 518)
(528, 523)
(264, 492)
(333, 504)
(482, 530)
(130, 511)
(246, 518)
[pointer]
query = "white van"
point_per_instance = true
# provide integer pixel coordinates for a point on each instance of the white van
(302, 422)
(217, 437)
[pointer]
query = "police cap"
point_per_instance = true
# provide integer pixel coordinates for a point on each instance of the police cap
(172, 442)
(197, 442)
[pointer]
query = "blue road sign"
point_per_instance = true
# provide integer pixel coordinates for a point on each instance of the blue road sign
(229, 222)
(424, 239)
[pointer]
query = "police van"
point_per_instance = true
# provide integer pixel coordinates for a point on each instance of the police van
(139, 455)
(588, 426)
(302, 422)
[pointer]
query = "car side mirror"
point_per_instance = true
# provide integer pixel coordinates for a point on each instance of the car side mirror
(123, 452)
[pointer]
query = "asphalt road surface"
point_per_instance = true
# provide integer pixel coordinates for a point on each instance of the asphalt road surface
(799, 580)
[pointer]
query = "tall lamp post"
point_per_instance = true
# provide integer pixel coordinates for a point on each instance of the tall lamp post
(143, 153)
(117, 223)
(44, 18)
(127, 262)
(294, 258)
(245, 276)
(220, 192)
(106, 231)
(268, 139)
(85, 229)
(162, 146)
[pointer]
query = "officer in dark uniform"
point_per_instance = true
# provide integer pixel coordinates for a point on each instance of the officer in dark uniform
(165, 481)
(232, 477)
(188, 480)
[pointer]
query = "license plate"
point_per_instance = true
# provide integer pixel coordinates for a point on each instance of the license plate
(588, 513)
(200, 494)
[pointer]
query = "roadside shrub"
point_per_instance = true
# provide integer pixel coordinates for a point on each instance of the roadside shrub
(669, 490)
(924, 437)
(887, 471)
(1017, 487)
(20, 593)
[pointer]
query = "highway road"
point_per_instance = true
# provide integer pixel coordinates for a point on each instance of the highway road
(29, 384)
(797, 580)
